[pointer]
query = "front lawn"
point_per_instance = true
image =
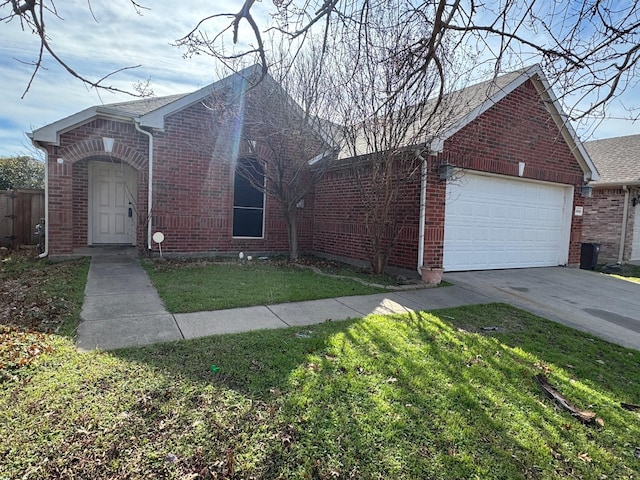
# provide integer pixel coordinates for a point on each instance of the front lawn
(39, 294)
(444, 395)
(202, 286)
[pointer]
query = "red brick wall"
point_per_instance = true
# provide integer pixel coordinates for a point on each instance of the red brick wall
(603, 214)
(193, 182)
(517, 129)
(339, 217)
(193, 189)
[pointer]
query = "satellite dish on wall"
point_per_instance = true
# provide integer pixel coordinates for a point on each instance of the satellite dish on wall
(158, 237)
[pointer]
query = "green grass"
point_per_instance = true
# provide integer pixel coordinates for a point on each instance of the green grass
(430, 395)
(192, 287)
(630, 273)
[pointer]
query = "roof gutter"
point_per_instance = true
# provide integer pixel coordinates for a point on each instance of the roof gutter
(623, 232)
(45, 253)
(423, 211)
(632, 183)
(150, 187)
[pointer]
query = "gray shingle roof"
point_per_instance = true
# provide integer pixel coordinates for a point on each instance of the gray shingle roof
(462, 102)
(452, 110)
(617, 159)
(144, 106)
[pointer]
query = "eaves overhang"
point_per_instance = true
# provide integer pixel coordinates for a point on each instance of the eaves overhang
(50, 134)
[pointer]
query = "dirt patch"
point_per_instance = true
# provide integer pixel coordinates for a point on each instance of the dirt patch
(37, 298)
(26, 300)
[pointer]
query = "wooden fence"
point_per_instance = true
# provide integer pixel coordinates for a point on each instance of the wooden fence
(20, 212)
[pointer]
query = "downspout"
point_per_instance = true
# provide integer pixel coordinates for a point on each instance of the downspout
(150, 187)
(423, 211)
(623, 234)
(45, 253)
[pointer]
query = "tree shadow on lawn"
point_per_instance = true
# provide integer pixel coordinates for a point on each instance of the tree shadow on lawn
(429, 395)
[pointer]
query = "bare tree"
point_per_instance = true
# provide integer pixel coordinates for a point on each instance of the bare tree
(589, 49)
(34, 15)
(386, 124)
(282, 133)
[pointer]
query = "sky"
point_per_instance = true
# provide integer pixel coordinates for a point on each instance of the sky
(117, 37)
(112, 35)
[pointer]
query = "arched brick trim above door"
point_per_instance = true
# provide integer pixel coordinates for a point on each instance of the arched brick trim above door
(95, 148)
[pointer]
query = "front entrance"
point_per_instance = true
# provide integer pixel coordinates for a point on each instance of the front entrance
(112, 203)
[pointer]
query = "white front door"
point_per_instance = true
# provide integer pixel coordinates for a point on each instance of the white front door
(112, 203)
(635, 242)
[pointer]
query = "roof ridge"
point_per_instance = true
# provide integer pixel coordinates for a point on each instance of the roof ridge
(144, 100)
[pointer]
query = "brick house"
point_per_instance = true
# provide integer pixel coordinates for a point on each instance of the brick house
(499, 186)
(118, 173)
(612, 214)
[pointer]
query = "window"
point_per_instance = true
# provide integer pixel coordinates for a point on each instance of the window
(248, 201)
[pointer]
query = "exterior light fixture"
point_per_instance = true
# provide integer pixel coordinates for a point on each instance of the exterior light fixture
(521, 168)
(108, 144)
(445, 171)
(586, 191)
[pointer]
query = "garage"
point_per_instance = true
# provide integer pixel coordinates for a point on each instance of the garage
(635, 242)
(494, 222)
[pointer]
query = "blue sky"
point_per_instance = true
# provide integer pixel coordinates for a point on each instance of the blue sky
(119, 38)
(122, 38)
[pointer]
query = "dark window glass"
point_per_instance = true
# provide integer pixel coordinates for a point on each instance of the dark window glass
(247, 222)
(248, 201)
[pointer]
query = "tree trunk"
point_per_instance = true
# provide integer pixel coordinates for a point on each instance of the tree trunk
(379, 262)
(292, 232)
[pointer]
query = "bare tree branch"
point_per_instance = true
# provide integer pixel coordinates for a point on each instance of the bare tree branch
(585, 47)
(32, 14)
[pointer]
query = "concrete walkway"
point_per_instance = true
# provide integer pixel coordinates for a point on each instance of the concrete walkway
(122, 308)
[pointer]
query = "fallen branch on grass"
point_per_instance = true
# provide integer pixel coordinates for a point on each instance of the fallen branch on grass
(584, 416)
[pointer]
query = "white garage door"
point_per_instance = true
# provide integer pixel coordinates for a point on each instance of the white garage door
(635, 243)
(496, 222)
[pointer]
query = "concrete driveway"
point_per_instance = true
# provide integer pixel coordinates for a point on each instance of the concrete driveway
(585, 300)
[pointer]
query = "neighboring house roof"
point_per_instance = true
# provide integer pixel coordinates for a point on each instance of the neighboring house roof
(617, 160)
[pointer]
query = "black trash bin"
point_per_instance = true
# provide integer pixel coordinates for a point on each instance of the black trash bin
(589, 256)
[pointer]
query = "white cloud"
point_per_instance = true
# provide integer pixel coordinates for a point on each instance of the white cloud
(119, 38)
